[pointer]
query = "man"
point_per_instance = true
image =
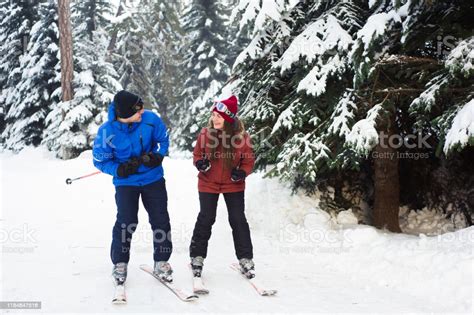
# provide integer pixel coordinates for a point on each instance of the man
(130, 146)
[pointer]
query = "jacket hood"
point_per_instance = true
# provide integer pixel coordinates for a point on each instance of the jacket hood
(111, 112)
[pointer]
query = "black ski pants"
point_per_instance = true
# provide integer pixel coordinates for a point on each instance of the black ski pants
(207, 216)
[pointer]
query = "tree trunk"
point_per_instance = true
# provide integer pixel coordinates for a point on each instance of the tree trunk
(65, 45)
(386, 185)
(113, 37)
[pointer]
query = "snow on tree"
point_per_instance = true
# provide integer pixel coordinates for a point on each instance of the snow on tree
(320, 84)
(363, 136)
(163, 28)
(31, 98)
(258, 14)
(397, 67)
(133, 51)
(250, 17)
(205, 65)
(255, 18)
(71, 125)
(461, 132)
(15, 25)
(300, 55)
(318, 41)
(148, 51)
(203, 23)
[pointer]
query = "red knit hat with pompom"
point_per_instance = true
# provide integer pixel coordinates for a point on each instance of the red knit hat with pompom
(227, 108)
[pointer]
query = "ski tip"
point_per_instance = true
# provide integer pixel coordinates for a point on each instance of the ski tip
(191, 298)
(269, 292)
(201, 291)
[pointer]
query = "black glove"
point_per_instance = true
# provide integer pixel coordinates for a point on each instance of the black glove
(203, 165)
(237, 175)
(128, 168)
(151, 159)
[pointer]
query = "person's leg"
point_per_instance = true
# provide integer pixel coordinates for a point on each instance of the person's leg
(240, 228)
(126, 198)
(155, 200)
(203, 226)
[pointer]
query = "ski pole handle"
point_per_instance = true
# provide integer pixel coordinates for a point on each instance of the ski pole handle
(69, 180)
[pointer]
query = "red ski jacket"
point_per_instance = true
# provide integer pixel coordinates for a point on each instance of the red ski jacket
(217, 178)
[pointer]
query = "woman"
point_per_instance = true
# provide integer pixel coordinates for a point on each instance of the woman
(224, 157)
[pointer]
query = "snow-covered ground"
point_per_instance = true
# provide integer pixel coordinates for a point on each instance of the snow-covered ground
(55, 241)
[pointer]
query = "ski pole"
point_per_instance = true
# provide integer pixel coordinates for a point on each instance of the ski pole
(69, 180)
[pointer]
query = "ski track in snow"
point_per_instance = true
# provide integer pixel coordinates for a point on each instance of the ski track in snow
(63, 260)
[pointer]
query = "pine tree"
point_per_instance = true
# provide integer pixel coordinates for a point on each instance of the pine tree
(290, 84)
(71, 125)
(319, 87)
(32, 96)
(237, 36)
(134, 50)
(163, 28)
(400, 66)
(15, 25)
(147, 52)
(203, 23)
(206, 65)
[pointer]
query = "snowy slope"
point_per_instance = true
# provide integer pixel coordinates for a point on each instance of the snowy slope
(55, 249)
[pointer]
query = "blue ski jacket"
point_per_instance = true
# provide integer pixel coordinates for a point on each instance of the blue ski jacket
(117, 142)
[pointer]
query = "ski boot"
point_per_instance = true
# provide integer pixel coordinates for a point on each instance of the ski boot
(196, 265)
(163, 270)
(247, 267)
(119, 273)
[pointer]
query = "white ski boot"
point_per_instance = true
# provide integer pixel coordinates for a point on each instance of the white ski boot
(163, 270)
(247, 267)
(119, 272)
(196, 265)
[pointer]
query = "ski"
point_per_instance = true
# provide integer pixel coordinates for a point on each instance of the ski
(254, 283)
(181, 294)
(120, 296)
(198, 285)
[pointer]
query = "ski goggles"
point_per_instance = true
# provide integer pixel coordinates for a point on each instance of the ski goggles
(222, 108)
(138, 105)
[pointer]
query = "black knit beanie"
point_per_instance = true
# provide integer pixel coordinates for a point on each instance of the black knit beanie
(127, 104)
